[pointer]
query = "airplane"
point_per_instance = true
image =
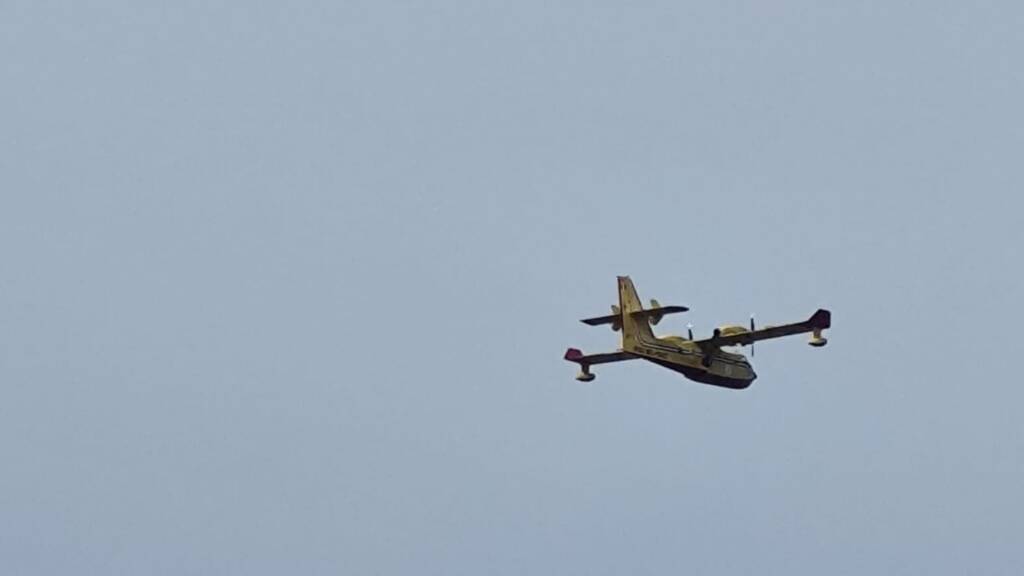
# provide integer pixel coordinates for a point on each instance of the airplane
(704, 360)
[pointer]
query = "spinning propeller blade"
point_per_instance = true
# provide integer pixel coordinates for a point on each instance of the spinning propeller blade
(752, 329)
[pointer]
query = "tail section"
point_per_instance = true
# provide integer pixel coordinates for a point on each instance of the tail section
(634, 327)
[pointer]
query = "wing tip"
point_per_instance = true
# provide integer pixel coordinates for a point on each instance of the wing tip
(821, 319)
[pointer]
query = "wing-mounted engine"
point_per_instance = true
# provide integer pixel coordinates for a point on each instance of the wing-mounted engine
(732, 330)
(737, 330)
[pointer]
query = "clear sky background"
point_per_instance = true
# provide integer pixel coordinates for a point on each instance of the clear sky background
(285, 287)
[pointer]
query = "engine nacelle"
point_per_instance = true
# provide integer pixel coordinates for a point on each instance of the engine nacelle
(732, 330)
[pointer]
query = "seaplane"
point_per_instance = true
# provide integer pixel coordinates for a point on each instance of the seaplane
(703, 360)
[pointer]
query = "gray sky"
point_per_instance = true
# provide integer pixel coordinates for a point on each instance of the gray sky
(284, 287)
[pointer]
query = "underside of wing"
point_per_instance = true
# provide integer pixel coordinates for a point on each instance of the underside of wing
(819, 321)
(574, 355)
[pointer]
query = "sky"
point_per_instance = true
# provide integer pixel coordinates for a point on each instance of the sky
(285, 287)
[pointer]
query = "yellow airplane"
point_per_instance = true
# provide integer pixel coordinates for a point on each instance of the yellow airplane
(700, 360)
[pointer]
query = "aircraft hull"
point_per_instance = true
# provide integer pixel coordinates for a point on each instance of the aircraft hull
(705, 377)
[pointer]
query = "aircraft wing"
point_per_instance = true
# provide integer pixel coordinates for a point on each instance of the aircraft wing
(574, 355)
(820, 320)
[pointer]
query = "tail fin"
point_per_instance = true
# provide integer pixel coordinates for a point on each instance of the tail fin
(634, 328)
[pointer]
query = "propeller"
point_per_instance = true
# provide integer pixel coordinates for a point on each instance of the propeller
(752, 328)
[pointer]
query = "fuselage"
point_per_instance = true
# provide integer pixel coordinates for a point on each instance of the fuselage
(725, 369)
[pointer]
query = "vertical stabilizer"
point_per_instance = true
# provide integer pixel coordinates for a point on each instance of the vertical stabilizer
(634, 328)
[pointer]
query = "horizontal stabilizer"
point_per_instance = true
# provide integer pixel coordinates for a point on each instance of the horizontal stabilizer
(655, 312)
(662, 310)
(600, 320)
